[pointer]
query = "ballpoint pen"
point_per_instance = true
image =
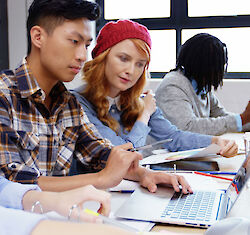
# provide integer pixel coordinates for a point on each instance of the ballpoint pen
(110, 221)
(219, 172)
(206, 172)
(210, 175)
(148, 146)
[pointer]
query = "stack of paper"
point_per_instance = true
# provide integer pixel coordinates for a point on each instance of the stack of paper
(212, 149)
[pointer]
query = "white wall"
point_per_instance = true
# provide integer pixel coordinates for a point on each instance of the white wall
(234, 94)
(17, 31)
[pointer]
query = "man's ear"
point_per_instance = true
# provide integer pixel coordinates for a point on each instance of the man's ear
(37, 35)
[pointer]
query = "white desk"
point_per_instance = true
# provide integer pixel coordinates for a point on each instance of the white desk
(242, 206)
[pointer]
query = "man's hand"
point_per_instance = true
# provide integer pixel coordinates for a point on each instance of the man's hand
(245, 116)
(150, 179)
(120, 163)
(228, 147)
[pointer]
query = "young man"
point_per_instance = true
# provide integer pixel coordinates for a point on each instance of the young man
(42, 126)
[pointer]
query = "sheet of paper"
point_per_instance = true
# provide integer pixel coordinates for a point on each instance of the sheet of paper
(125, 185)
(173, 156)
(201, 182)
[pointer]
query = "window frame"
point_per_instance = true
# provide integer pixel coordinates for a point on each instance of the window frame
(179, 20)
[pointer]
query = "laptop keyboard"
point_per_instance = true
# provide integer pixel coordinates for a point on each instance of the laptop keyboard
(196, 206)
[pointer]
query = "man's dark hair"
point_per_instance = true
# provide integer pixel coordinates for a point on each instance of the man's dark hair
(51, 13)
(203, 58)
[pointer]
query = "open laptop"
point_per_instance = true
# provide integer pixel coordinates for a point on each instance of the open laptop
(201, 209)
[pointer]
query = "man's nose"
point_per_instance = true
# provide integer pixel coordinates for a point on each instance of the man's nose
(82, 53)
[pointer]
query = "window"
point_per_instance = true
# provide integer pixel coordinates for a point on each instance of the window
(236, 40)
(163, 41)
(115, 9)
(172, 22)
(218, 8)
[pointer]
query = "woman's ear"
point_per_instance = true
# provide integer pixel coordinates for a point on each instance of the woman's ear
(36, 35)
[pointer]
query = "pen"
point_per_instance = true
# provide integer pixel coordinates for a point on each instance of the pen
(143, 95)
(210, 175)
(220, 172)
(207, 172)
(126, 191)
(150, 145)
(107, 220)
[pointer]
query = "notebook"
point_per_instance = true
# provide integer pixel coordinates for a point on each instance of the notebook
(201, 209)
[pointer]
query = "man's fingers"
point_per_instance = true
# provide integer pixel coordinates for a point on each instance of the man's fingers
(125, 146)
(186, 188)
(152, 187)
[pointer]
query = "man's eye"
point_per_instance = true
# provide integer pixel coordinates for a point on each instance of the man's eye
(74, 41)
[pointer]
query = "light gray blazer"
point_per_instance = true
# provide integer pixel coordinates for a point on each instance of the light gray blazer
(181, 106)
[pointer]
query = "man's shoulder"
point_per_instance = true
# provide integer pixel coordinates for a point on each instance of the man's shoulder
(7, 79)
(175, 77)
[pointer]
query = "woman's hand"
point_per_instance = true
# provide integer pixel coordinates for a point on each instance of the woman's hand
(65, 201)
(149, 107)
(62, 202)
(229, 148)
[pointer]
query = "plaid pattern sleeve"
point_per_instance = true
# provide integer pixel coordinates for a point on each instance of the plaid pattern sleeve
(10, 164)
(35, 141)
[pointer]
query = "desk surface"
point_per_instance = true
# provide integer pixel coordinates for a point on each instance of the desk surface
(241, 208)
(242, 205)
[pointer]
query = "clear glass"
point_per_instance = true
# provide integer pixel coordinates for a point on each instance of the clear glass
(246, 137)
(163, 53)
(237, 41)
(132, 9)
(201, 8)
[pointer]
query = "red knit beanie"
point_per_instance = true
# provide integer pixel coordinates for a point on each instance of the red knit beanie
(115, 32)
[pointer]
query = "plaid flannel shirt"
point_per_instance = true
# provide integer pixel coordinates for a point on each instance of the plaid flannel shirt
(36, 141)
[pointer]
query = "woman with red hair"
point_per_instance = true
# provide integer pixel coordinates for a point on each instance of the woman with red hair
(112, 94)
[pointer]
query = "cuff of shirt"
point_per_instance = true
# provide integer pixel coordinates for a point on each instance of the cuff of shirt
(19, 222)
(12, 194)
(139, 133)
(238, 122)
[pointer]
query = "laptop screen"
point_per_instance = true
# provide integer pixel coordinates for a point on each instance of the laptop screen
(238, 182)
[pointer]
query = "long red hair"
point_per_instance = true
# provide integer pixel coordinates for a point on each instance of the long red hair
(97, 90)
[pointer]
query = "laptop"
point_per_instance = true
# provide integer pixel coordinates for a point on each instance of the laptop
(200, 209)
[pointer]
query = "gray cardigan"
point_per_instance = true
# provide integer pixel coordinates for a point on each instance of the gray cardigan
(181, 106)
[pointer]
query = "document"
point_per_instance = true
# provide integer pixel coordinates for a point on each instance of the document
(212, 149)
(125, 186)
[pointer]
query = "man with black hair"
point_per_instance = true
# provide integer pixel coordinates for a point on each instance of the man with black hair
(43, 127)
(186, 96)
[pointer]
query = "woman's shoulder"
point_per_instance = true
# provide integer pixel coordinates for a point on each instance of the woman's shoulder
(81, 99)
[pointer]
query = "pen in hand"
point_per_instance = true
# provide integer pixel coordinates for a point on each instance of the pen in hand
(148, 146)
(107, 220)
